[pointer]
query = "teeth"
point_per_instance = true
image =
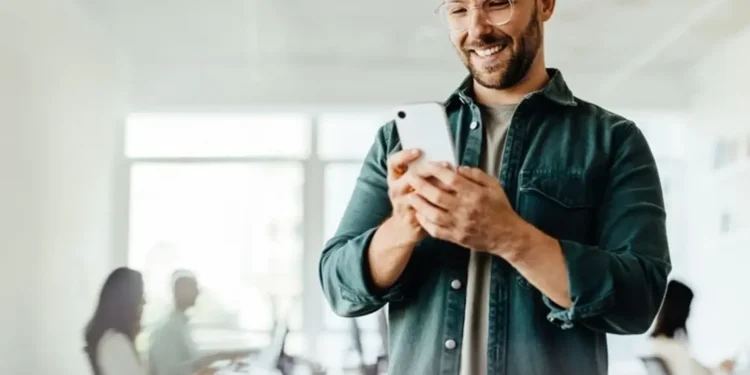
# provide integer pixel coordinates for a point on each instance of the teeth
(488, 52)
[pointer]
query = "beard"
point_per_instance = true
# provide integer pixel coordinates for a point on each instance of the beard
(510, 71)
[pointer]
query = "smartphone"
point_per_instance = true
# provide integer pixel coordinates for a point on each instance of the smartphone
(425, 126)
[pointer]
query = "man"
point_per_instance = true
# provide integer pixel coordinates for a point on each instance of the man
(550, 235)
(172, 349)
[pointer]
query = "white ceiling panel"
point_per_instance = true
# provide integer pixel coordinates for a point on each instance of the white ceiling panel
(221, 44)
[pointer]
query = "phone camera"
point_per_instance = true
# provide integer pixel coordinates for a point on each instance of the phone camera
(401, 114)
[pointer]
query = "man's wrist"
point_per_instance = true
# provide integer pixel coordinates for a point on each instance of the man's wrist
(520, 242)
(388, 253)
(402, 236)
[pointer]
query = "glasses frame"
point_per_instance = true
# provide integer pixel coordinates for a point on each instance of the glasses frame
(477, 7)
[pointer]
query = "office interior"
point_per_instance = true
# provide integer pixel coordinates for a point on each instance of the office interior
(226, 136)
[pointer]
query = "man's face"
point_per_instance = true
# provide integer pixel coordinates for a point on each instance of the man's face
(499, 57)
(187, 291)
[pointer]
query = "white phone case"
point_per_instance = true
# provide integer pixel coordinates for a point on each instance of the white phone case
(425, 126)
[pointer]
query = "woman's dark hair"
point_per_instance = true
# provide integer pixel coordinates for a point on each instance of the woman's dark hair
(119, 309)
(675, 310)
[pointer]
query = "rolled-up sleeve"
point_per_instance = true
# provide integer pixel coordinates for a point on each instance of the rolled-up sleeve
(343, 267)
(618, 285)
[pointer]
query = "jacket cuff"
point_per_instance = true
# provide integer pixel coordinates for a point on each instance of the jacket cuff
(591, 285)
(366, 292)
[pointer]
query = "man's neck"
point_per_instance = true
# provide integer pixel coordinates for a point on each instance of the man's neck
(535, 80)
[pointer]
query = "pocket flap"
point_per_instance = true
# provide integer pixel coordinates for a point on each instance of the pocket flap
(569, 190)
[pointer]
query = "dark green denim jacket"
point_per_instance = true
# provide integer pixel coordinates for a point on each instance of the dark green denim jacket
(579, 173)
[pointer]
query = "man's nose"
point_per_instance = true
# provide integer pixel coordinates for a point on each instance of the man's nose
(478, 24)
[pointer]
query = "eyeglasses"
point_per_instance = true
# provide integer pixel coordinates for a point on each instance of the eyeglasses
(456, 15)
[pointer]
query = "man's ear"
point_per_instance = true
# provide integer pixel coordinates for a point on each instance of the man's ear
(546, 9)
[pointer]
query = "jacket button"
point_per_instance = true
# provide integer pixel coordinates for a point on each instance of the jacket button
(473, 125)
(450, 344)
(456, 284)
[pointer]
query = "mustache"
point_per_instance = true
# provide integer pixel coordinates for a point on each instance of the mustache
(488, 40)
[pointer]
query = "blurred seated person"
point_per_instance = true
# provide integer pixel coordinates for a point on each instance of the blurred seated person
(172, 348)
(110, 335)
(669, 340)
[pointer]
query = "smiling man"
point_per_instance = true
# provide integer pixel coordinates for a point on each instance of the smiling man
(551, 234)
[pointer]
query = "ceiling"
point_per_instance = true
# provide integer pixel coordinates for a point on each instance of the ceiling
(192, 53)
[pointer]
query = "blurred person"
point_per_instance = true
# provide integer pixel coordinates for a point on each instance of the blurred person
(172, 350)
(550, 235)
(110, 335)
(669, 339)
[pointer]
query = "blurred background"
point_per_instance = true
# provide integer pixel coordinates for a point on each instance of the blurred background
(226, 136)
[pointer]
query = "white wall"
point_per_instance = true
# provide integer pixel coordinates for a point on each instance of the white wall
(718, 270)
(61, 103)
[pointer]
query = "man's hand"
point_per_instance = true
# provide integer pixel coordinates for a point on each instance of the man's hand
(466, 207)
(392, 245)
(399, 192)
(470, 208)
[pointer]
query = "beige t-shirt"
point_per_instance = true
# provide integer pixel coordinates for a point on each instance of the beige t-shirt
(496, 120)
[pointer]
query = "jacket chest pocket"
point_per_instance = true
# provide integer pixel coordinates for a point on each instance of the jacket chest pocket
(561, 204)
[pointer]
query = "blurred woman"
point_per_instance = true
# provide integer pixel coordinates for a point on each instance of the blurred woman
(669, 340)
(110, 335)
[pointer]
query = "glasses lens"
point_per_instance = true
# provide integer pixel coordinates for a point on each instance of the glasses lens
(454, 15)
(457, 16)
(498, 12)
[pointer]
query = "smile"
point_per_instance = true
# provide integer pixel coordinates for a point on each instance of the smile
(487, 52)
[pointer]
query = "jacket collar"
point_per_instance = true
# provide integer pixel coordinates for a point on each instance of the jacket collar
(556, 91)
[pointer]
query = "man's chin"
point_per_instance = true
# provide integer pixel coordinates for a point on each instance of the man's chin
(492, 80)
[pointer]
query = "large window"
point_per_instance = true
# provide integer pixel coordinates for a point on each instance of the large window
(238, 234)
(226, 195)
(221, 195)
